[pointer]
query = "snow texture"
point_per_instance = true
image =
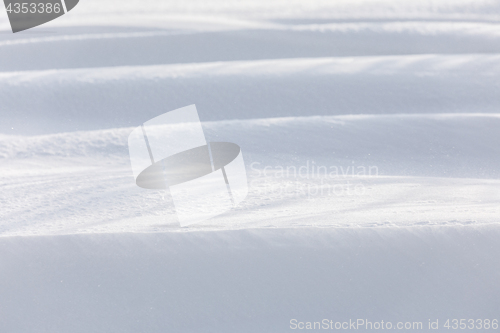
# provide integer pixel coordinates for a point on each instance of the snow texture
(370, 134)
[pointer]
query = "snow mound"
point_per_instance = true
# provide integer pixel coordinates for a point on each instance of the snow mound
(100, 98)
(365, 170)
(369, 129)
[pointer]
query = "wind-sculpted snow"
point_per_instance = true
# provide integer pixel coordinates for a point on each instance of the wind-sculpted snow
(450, 142)
(229, 14)
(331, 171)
(99, 98)
(101, 144)
(370, 135)
(266, 41)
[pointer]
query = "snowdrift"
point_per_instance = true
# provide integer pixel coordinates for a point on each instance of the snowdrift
(363, 170)
(86, 99)
(248, 280)
(369, 131)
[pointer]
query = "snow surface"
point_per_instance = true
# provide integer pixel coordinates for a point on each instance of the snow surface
(404, 93)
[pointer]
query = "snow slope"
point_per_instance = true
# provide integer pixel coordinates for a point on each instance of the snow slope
(369, 130)
(247, 280)
(380, 170)
(87, 99)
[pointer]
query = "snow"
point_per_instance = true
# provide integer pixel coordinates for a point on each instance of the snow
(369, 130)
(247, 280)
(87, 99)
(442, 171)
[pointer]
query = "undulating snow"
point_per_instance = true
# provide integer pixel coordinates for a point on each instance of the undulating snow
(370, 132)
